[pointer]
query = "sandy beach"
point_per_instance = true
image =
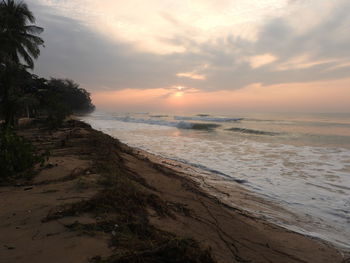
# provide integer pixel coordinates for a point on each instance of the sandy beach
(57, 215)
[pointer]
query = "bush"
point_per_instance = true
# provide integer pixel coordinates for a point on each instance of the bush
(17, 156)
(56, 115)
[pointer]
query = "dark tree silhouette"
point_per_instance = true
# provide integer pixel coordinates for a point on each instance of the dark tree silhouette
(25, 94)
(18, 37)
(19, 46)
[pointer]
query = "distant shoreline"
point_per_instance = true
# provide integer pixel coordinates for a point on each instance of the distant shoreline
(232, 234)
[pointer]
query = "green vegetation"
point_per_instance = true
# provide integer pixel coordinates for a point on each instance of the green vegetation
(17, 157)
(19, 45)
(59, 98)
(19, 39)
(23, 94)
(122, 204)
(36, 97)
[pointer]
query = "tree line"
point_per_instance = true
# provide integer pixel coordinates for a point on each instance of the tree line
(23, 94)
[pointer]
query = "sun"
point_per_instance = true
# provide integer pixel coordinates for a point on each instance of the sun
(179, 94)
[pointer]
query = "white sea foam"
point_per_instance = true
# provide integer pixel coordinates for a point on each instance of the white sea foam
(311, 181)
(158, 122)
(207, 118)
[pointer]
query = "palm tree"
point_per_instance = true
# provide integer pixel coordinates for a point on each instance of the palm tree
(19, 46)
(18, 39)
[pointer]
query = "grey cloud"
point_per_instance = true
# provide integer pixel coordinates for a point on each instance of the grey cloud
(74, 51)
(323, 41)
(278, 38)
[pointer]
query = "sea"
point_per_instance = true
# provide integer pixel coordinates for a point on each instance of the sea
(299, 162)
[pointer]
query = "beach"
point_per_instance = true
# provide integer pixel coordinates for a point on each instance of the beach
(185, 131)
(48, 219)
(295, 167)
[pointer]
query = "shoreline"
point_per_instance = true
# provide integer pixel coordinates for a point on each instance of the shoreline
(232, 194)
(308, 181)
(232, 234)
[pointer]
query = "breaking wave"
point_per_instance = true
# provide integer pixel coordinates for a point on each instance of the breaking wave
(176, 124)
(197, 126)
(159, 116)
(250, 131)
(207, 118)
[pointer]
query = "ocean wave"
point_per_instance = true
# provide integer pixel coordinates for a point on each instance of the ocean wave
(250, 131)
(271, 166)
(300, 122)
(197, 126)
(145, 121)
(207, 118)
(159, 116)
(176, 124)
(276, 122)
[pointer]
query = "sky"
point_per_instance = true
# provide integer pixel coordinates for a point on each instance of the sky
(200, 55)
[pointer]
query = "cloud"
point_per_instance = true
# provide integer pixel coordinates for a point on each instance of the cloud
(193, 53)
(261, 60)
(191, 75)
(145, 23)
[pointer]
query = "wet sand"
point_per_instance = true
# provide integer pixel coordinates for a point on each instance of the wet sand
(231, 233)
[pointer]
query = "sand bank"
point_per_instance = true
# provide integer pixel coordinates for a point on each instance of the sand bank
(47, 219)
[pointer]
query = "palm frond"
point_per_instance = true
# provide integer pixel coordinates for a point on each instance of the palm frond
(31, 47)
(35, 39)
(19, 39)
(34, 29)
(26, 57)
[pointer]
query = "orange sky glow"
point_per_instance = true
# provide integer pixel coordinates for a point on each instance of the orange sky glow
(295, 97)
(201, 55)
